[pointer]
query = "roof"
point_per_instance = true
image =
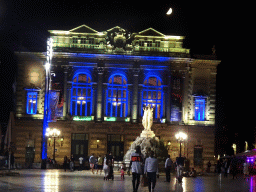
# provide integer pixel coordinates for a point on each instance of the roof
(83, 29)
(151, 32)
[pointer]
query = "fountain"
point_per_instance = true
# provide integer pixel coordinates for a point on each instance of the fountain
(147, 140)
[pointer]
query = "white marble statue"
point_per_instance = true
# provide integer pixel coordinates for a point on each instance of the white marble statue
(147, 120)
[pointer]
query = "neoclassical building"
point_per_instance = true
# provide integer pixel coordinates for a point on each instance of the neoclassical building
(97, 84)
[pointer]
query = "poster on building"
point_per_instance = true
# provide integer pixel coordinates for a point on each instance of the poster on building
(175, 113)
(56, 105)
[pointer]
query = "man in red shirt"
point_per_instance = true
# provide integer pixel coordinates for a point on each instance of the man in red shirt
(136, 164)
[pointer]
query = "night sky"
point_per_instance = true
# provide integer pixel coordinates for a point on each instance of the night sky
(24, 25)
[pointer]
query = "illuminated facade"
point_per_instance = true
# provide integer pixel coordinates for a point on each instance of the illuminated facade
(98, 85)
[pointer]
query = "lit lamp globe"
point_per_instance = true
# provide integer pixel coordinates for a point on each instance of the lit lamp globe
(181, 136)
(169, 12)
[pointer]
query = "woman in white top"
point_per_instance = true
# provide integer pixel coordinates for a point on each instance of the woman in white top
(105, 168)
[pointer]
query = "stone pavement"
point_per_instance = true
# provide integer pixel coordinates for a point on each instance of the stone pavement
(54, 180)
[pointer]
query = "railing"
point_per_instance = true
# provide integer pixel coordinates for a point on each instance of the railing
(135, 48)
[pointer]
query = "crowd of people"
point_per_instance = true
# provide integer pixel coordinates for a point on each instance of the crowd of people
(234, 166)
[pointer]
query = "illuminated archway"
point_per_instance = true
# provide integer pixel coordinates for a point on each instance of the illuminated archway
(81, 95)
(117, 96)
(152, 95)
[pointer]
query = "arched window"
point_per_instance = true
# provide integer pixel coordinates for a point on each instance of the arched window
(117, 96)
(152, 95)
(81, 95)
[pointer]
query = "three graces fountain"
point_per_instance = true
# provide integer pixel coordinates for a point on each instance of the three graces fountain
(146, 137)
(147, 122)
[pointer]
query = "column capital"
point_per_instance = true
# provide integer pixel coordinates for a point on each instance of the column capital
(135, 71)
(100, 70)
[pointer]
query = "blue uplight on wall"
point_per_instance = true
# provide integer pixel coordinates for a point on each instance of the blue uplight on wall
(81, 95)
(152, 95)
(117, 96)
(199, 108)
(31, 102)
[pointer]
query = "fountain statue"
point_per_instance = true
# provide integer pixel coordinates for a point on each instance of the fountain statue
(147, 140)
(147, 122)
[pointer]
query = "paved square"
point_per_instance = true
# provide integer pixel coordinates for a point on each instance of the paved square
(59, 181)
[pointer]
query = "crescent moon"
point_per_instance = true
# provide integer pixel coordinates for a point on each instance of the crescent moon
(169, 12)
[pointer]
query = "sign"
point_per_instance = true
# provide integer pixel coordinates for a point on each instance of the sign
(136, 159)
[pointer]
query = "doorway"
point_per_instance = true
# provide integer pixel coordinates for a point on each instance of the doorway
(116, 146)
(79, 145)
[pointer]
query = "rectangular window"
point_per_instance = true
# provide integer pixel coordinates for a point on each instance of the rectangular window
(83, 40)
(75, 40)
(141, 43)
(91, 41)
(199, 109)
(31, 102)
(149, 43)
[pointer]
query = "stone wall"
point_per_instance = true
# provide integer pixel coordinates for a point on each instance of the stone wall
(29, 132)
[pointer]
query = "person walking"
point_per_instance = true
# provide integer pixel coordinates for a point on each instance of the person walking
(179, 166)
(168, 167)
(233, 167)
(246, 169)
(209, 167)
(92, 161)
(122, 170)
(151, 169)
(100, 164)
(12, 160)
(65, 163)
(81, 163)
(105, 168)
(72, 163)
(111, 165)
(225, 166)
(136, 164)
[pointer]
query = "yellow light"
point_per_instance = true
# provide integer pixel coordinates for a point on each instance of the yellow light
(181, 136)
(169, 12)
(34, 76)
(47, 66)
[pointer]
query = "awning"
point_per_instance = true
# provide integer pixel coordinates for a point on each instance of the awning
(248, 153)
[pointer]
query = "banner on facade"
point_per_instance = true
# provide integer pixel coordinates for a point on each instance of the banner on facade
(56, 105)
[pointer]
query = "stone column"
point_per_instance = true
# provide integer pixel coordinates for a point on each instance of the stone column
(135, 103)
(65, 92)
(168, 98)
(99, 103)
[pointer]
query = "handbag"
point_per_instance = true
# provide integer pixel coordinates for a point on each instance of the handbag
(144, 181)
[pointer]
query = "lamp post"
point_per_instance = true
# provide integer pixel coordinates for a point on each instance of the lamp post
(52, 133)
(234, 148)
(181, 137)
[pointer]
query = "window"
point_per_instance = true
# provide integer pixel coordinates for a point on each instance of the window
(199, 108)
(149, 43)
(75, 40)
(31, 102)
(83, 40)
(81, 95)
(141, 43)
(117, 97)
(152, 94)
(157, 43)
(91, 40)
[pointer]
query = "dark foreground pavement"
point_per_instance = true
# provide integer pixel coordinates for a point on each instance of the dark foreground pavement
(59, 181)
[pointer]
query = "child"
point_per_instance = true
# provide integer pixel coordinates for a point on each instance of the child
(122, 169)
(122, 173)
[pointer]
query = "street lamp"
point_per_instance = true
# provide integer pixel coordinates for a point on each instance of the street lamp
(181, 137)
(234, 148)
(52, 133)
